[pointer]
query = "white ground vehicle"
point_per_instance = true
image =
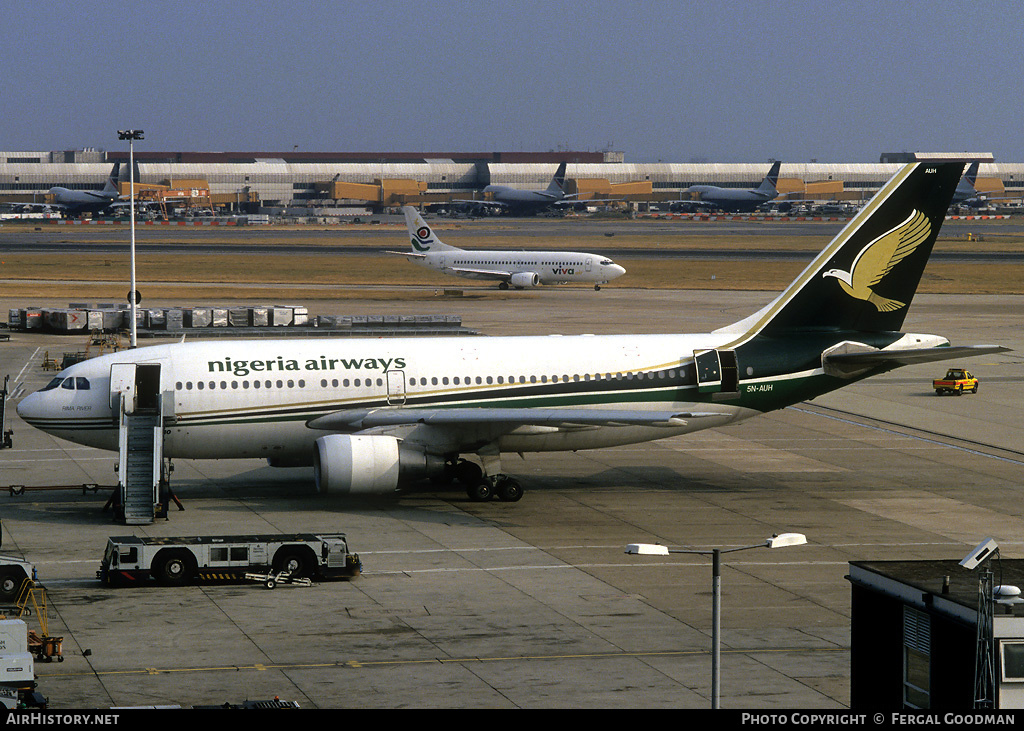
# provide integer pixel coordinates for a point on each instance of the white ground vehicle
(177, 561)
(13, 572)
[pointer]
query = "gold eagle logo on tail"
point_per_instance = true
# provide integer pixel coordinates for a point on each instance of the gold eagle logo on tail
(879, 257)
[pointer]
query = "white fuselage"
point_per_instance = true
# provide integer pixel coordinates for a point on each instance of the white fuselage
(239, 399)
(554, 267)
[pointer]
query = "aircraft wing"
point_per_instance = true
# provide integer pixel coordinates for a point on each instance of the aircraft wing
(496, 204)
(695, 202)
(570, 199)
(492, 274)
(54, 206)
(985, 197)
(573, 200)
(505, 417)
(851, 363)
(65, 206)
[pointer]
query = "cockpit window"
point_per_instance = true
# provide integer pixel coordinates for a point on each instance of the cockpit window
(52, 384)
(71, 383)
(606, 262)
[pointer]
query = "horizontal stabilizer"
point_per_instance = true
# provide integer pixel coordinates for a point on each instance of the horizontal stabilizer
(850, 364)
(407, 253)
(366, 418)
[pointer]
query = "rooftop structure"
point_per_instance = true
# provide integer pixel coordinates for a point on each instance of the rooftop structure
(921, 631)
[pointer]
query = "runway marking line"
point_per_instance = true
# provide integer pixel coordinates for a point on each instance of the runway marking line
(359, 664)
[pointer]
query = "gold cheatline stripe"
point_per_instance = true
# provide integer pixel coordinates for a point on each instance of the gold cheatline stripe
(473, 390)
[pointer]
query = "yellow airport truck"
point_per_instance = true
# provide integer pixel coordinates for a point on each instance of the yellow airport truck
(133, 560)
(957, 381)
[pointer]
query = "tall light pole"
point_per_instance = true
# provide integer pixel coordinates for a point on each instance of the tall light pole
(652, 549)
(133, 296)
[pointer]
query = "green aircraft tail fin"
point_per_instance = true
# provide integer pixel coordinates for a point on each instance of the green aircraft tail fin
(866, 277)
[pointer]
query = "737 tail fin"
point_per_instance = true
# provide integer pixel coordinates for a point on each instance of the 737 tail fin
(866, 277)
(421, 235)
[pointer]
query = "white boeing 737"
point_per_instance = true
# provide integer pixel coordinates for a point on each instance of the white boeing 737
(372, 414)
(519, 269)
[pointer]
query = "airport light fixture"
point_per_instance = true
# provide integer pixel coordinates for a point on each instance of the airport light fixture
(780, 540)
(133, 295)
(984, 654)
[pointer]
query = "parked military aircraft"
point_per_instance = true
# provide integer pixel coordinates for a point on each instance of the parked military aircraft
(738, 199)
(516, 201)
(76, 202)
(967, 194)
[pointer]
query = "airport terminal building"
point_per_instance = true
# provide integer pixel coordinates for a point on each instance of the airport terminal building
(275, 181)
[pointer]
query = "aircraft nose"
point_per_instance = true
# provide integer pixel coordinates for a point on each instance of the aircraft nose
(32, 407)
(617, 271)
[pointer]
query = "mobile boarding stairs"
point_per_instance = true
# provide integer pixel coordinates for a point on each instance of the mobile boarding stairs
(140, 407)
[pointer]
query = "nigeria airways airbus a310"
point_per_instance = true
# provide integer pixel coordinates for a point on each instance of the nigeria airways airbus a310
(372, 415)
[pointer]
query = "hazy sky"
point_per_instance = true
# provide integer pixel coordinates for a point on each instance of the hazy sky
(671, 81)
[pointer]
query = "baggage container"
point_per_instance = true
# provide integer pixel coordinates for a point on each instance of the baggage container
(174, 319)
(219, 317)
(281, 316)
(238, 317)
(198, 317)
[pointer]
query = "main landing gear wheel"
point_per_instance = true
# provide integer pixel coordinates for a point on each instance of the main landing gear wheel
(509, 490)
(505, 488)
(481, 492)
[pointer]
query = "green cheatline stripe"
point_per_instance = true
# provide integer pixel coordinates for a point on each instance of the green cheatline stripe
(789, 391)
(50, 424)
(785, 390)
(521, 402)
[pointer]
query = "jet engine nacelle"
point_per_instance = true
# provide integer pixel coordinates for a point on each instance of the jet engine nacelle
(367, 464)
(522, 280)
